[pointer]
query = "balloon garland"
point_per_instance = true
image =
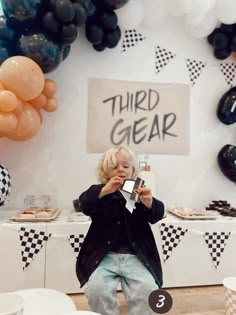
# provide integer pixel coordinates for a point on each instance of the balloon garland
(226, 112)
(43, 30)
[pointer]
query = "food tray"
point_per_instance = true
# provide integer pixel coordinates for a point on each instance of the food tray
(17, 217)
(193, 215)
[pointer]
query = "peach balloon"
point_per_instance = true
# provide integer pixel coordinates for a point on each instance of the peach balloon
(50, 88)
(40, 116)
(39, 102)
(19, 107)
(22, 76)
(28, 124)
(8, 101)
(51, 105)
(8, 122)
(2, 87)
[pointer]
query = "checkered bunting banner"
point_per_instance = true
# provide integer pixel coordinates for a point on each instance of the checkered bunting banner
(131, 38)
(76, 243)
(216, 243)
(31, 243)
(170, 237)
(163, 57)
(228, 71)
(5, 185)
(194, 69)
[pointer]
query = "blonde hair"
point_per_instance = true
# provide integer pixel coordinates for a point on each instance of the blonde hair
(109, 161)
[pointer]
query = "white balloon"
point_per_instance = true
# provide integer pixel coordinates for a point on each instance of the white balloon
(226, 11)
(174, 7)
(155, 13)
(206, 27)
(130, 15)
(199, 9)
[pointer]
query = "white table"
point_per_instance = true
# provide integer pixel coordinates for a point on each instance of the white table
(46, 302)
(190, 263)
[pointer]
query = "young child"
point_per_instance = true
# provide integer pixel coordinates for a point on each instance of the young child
(119, 246)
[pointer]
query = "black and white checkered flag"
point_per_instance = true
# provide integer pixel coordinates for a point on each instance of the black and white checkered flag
(31, 243)
(163, 57)
(228, 70)
(5, 184)
(194, 69)
(131, 38)
(216, 243)
(76, 243)
(170, 237)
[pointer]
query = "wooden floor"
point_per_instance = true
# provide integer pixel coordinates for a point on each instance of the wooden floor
(207, 300)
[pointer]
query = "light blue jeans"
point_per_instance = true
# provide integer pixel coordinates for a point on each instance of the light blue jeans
(136, 282)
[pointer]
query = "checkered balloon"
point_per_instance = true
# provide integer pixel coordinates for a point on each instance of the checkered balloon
(5, 184)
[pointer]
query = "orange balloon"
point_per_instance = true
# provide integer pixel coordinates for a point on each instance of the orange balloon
(22, 76)
(8, 122)
(19, 107)
(28, 124)
(40, 116)
(2, 87)
(39, 102)
(8, 101)
(51, 105)
(50, 88)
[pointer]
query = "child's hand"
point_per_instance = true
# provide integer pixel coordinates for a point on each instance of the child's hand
(113, 185)
(145, 195)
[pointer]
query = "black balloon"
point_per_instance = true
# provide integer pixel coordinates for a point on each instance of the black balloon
(64, 11)
(112, 38)
(22, 13)
(68, 33)
(6, 50)
(226, 110)
(6, 32)
(37, 46)
(94, 33)
(108, 20)
(114, 4)
(50, 23)
(222, 53)
(80, 14)
(227, 161)
(221, 40)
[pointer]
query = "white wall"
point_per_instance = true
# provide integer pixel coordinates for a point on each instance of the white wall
(55, 162)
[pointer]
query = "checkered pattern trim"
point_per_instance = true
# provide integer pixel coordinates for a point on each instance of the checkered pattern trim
(34, 201)
(31, 242)
(216, 243)
(131, 38)
(228, 71)
(230, 301)
(5, 184)
(163, 57)
(76, 243)
(194, 69)
(170, 237)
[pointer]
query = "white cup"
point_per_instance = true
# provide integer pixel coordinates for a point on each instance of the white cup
(230, 295)
(11, 304)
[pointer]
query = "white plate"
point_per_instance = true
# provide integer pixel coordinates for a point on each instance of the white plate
(202, 215)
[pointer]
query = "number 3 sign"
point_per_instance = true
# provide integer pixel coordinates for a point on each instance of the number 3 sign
(160, 301)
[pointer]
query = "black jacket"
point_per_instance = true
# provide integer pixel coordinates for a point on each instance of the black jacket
(106, 214)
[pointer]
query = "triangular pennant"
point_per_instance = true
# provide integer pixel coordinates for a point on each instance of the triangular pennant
(131, 38)
(76, 243)
(228, 70)
(31, 243)
(194, 69)
(163, 57)
(170, 237)
(216, 243)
